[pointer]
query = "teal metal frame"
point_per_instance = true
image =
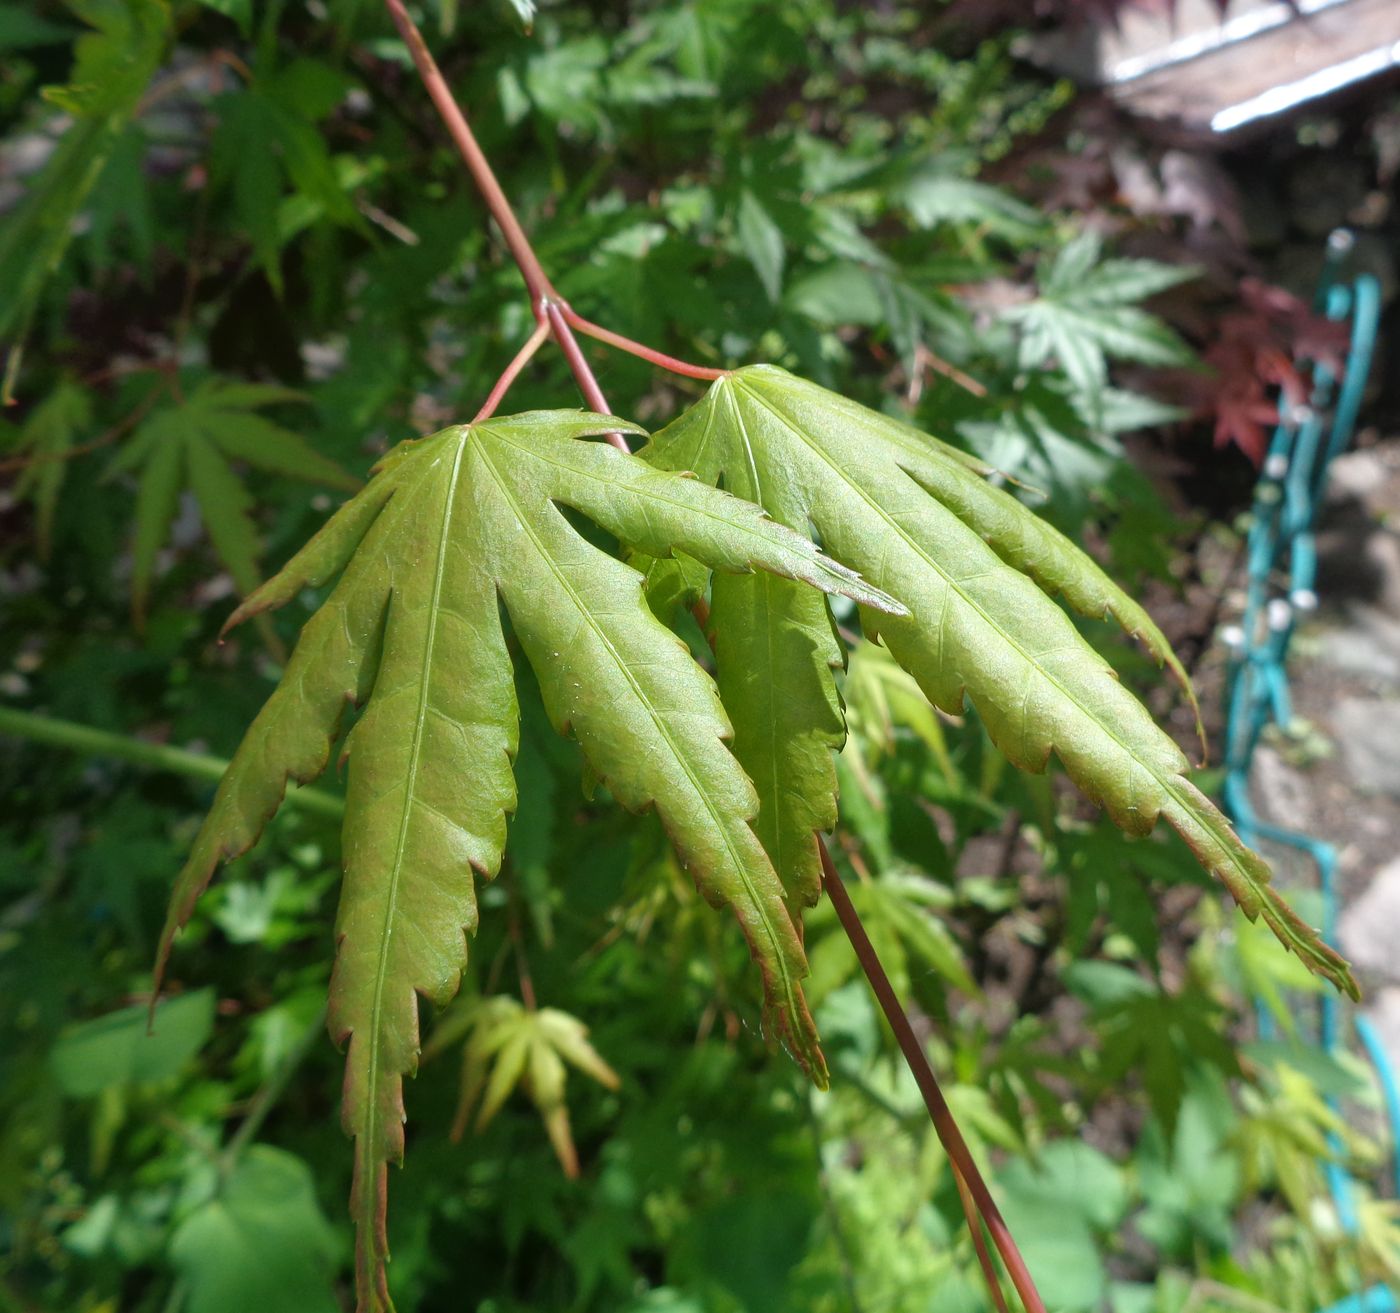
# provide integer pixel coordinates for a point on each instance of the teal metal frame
(1282, 563)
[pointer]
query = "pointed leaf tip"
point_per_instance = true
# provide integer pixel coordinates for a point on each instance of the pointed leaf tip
(448, 528)
(977, 571)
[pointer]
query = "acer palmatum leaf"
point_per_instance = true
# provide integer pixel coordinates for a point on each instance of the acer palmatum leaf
(974, 567)
(189, 443)
(412, 630)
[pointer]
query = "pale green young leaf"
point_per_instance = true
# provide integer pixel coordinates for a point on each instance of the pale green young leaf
(569, 1036)
(511, 1060)
(450, 528)
(896, 507)
(508, 1046)
(188, 443)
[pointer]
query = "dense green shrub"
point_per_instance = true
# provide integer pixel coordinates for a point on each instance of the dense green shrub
(277, 271)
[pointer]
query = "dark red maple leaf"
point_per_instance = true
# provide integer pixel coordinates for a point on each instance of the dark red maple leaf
(1264, 351)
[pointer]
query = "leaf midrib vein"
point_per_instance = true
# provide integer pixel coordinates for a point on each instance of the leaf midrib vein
(778, 956)
(415, 753)
(1168, 785)
(798, 549)
(764, 599)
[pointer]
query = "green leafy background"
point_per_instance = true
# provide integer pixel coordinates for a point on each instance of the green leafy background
(275, 239)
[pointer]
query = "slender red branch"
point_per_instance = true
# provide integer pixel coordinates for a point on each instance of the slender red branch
(582, 372)
(472, 155)
(939, 1112)
(512, 371)
(979, 1243)
(639, 349)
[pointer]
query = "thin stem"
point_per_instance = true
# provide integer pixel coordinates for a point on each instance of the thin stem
(153, 756)
(517, 940)
(573, 353)
(639, 349)
(939, 1112)
(979, 1243)
(579, 367)
(542, 292)
(477, 164)
(512, 371)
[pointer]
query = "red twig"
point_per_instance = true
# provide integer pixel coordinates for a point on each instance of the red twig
(477, 164)
(939, 1112)
(979, 1243)
(583, 374)
(638, 348)
(512, 371)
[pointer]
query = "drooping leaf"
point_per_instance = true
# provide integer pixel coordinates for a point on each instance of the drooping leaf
(974, 567)
(45, 441)
(189, 443)
(449, 528)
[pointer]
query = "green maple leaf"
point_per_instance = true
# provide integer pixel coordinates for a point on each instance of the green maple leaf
(450, 527)
(1087, 313)
(263, 145)
(46, 440)
(190, 444)
(974, 566)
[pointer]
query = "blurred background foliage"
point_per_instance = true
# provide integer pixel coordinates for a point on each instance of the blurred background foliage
(238, 262)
